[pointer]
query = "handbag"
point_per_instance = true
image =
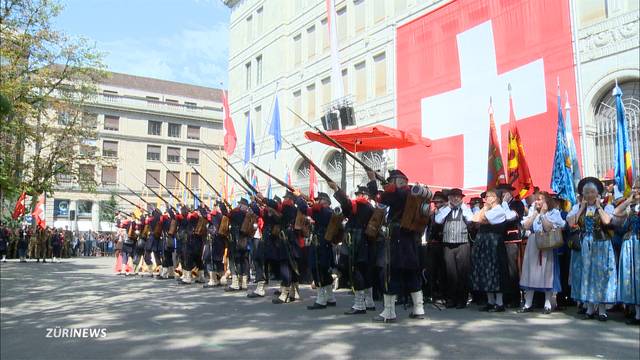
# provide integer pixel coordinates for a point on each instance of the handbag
(549, 239)
(573, 239)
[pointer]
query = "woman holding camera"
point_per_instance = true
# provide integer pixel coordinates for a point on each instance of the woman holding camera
(540, 267)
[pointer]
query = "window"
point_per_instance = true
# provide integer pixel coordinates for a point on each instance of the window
(110, 148)
(153, 152)
(174, 130)
(84, 208)
(311, 42)
(111, 122)
(88, 147)
(193, 156)
(259, 21)
(297, 106)
(193, 132)
(311, 102)
(90, 120)
(361, 82)
(190, 104)
(297, 49)
(61, 208)
(247, 74)
(257, 120)
(345, 80)
(154, 128)
(172, 102)
(326, 43)
(326, 90)
(592, 11)
(259, 70)
(380, 62)
(342, 24)
(109, 175)
(378, 10)
(109, 92)
(194, 181)
(64, 118)
(152, 177)
(249, 23)
(86, 172)
(360, 12)
(153, 98)
(64, 178)
(173, 154)
(171, 182)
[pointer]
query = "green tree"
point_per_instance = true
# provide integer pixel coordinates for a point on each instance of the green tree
(108, 209)
(47, 78)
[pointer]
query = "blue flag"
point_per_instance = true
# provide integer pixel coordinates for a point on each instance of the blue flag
(575, 167)
(269, 188)
(196, 203)
(624, 163)
(249, 142)
(274, 129)
(562, 175)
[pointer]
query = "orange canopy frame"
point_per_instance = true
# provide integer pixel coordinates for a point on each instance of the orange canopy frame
(369, 138)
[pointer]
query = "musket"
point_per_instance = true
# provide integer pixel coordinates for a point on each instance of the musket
(129, 201)
(166, 189)
(242, 177)
(338, 145)
(181, 183)
(109, 207)
(320, 172)
(209, 184)
(279, 181)
(234, 179)
(155, 193)
(139, 197)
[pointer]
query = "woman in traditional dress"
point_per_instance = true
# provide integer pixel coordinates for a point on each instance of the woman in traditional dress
(541, 268)
(627, 216)
(599, 277)
(488, 254)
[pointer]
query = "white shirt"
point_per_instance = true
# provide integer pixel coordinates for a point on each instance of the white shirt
(508, 212)
(441, 214)
(590, 208)
(496, 215)
(553, 216)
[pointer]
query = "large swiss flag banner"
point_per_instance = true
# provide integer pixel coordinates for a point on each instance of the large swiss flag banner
(452, 60)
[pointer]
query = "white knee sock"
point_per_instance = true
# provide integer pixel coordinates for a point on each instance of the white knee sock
(499, 299)
(491, 298)
(602, 309)
(528, 298)
(547, 299)
(637, 312)
(590, 308)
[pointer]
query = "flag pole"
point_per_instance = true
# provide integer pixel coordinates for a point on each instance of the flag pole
(266, 130)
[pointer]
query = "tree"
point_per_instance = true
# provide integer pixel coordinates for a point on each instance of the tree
(108, 209)
(47, 78)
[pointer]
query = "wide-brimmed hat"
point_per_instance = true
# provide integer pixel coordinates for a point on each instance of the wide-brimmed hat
(323, 196)
(455, 192)
(393, 174)
(593, 180)
(362, 190)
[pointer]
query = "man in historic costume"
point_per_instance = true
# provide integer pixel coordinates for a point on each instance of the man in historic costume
(455, 218)
(288, 249)
(264, 247)
(215, 245)
(434, 263)
(321, 257)
(361, 254)
(402, 273)
(187, 221)
(239, 238)
(515, 212)
(153, 246)
(168, 244)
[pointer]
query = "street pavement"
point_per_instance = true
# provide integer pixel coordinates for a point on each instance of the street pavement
(151, 319)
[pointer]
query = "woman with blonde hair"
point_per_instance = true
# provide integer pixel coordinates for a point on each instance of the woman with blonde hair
(599, 278)
(541, 268)
(627, 216)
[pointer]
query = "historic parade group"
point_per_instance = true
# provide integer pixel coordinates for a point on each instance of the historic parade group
(399, 242)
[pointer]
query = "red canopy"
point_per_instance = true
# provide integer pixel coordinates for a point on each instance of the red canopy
(369, 138)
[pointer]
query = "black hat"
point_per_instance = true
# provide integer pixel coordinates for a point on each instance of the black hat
(475, 200)
(455, 192)
(396, 174)
(505, 187)
(289, 194)
(593, 180)
(244, 201)
(277, 198)
(362, 190)
(271, 203)
(323, 196)
(439, 195)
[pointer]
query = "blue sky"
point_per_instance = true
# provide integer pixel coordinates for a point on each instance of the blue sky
(178, 40)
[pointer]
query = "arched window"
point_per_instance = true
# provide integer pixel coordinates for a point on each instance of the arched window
(302, 176)
(334, 164)
(606, 126)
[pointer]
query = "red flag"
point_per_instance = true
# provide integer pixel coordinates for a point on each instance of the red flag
(20, 207)
(230, 138)
(495, 174)
(517, 168)
(313, 183)
(38, 213)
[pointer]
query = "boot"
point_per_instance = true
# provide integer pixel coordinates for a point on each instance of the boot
(244, 280)
(294, 292)
(418, 305)
(284, 296)
(187, 278)
(358, 304)
(163, 274)
(331, 297)
(389, 312)
(368, 299)
(200, 279)
(216, 279)
(321, 299)
(235, 286)
(210, 283)
(258, 292)
(171, 272)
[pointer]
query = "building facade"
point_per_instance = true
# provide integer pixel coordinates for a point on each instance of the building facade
(145, 128)
(283, 48)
